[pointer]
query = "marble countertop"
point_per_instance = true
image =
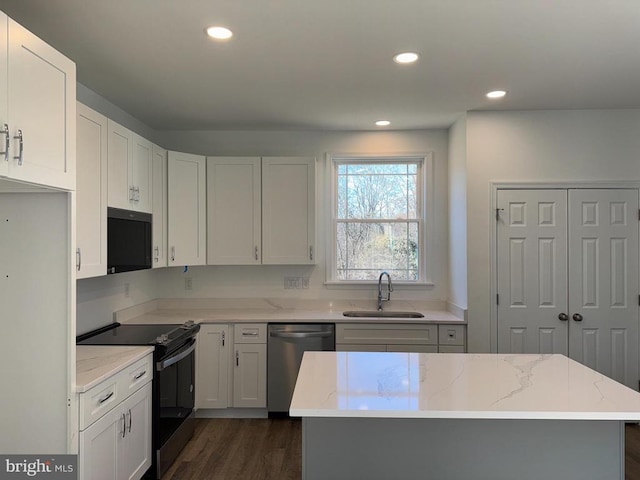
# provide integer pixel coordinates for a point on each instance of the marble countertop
(251, 310)
(94, 363)
(457, 386)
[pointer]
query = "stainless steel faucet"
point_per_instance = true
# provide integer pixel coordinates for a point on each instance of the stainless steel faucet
(389, 290)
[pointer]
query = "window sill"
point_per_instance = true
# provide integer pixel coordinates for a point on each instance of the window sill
(362, 285)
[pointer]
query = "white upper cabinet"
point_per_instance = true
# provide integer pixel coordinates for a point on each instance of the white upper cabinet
(130, 168)
(37, 106)
(159, 228)
(186, 209)
(260, 210)
(91, 193)
(288, 210)
(234, 234)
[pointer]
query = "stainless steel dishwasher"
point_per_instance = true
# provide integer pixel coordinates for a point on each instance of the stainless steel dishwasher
(286, 344)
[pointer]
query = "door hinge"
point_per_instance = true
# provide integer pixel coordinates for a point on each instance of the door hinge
(497, 299)
(498, 210)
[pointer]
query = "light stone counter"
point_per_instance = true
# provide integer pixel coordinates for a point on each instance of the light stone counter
(481, 386)
(268, 310)
(94, 363)
(457, 416)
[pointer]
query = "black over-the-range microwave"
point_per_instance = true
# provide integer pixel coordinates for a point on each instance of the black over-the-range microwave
(128, 240)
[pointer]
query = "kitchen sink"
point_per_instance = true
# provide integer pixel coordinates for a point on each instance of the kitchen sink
(383, 313)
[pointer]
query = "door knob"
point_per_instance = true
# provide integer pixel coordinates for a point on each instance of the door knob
(563, 316)
(577, 317)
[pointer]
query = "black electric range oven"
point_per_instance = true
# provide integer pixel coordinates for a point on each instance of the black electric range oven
(173, 382)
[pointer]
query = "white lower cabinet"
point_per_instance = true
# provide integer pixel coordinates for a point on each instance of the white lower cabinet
(384, 337)
(250, 366)
(224, 380)
(212, 366)
(115, 436)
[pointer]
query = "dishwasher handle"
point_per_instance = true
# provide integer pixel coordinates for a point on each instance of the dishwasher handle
(324, 334)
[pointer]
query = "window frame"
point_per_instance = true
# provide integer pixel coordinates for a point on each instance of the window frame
(425, 206)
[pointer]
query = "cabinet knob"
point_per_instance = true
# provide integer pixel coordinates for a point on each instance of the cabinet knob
(563, 316)
(577, 317)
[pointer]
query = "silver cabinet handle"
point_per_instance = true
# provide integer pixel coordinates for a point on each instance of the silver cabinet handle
(130, 420)
(131, 197)
(156, 252)
(300, 334)
(139, 375)
(7, 142)
(124, 425)
(173, 254)
(311, 252)
(256, 252)
(136, 194)
(237, 359)
(223, 339)
(105, 398)
(249, 334)
(20, 147)
(78, 259)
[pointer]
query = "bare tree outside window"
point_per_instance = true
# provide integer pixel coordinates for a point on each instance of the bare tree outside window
(377, 219)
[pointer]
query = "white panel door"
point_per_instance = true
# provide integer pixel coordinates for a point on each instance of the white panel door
(603, 288)
(134, 448)
(91, 191)
(233, 211)
(159, 193)
(42, 89)
(532, 271)
(120, 152)
(288, 210)
(186, 206)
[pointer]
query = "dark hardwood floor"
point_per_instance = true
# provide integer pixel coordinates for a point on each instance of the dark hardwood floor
(271, 449)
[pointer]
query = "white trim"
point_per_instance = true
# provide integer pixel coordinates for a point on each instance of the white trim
(426, 207)
(493, 243)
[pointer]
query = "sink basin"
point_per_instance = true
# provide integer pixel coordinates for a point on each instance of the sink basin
(383, 313)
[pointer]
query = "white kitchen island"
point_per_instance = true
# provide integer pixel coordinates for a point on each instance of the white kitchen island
(394, 416)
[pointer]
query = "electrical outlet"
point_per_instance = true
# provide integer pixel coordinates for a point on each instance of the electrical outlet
(289, 283)
(305, 282)
(188, 283)
(126, 290)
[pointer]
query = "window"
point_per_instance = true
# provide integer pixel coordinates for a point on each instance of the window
(379, 219)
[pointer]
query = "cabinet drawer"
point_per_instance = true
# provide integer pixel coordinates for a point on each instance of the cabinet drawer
(250, 333)
(451, 349)
(402, 334)
(360, 347)
(451, 334)
(100, 399)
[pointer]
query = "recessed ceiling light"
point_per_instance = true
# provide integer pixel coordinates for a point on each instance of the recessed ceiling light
(496, 94)
(406, 57)
(383, 123)
(219, 33)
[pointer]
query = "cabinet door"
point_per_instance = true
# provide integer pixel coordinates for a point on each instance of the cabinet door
(186, 209)
(4, 119)
(413, 348)
(288, 210)
(360, 347)
(91, 189)
(233, 211)
(134, 448)
(120, 152)
(98, 447)
(159, 228)
(250, 375)
(42, 89)
(212, 367)
(142, 174)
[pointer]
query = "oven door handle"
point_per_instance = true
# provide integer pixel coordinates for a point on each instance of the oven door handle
(179, 355)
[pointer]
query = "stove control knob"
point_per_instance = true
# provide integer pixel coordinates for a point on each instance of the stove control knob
(188, 324)
(162, 339)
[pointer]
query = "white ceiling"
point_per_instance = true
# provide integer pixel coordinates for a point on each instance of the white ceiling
(303, 64)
